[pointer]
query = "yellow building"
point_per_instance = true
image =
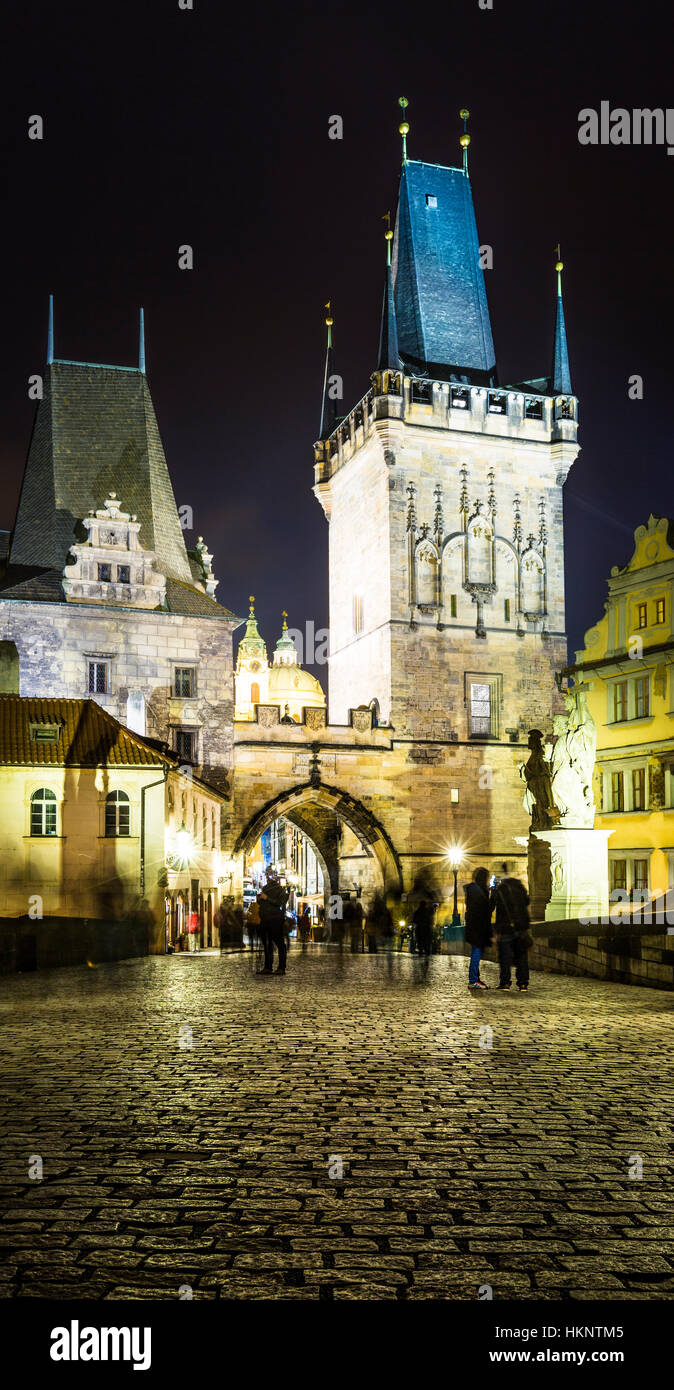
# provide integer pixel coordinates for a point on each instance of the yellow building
(94, 819)
(627, 664)
(282, 683)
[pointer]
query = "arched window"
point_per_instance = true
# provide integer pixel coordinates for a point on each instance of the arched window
(212, 829)
(255, 693)
(43, 812)
(117, 811)
(204, 831)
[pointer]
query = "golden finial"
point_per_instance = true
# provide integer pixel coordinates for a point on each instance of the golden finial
(464, 140)
(251, 600)
(329, 320)
(284, 615)
(404, 128)
(389, 236)
(559, 266)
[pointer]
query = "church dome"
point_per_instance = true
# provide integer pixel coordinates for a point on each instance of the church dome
(288, 683)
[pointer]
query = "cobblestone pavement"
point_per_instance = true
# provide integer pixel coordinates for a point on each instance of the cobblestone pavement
(462, 1165)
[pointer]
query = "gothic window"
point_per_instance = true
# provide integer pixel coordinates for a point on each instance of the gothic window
(427, 575)
(479, 551)
(98, 682)
(212, 829)
(123, 574)
(421, 392)
(104, 574)
(255, 693)
(117, 814)
(533, 408)
(498, 403)
(532, 584)
(506, 610)
(459, 398)
(204, 827)
(452, 605)
(43, 812)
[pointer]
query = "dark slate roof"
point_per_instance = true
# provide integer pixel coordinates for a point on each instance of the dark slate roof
(388, 358)
(329, 416)
(440, 297)
(89, 737)
(45, 586)
(95, 431)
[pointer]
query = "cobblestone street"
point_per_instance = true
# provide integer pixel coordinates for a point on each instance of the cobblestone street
(345, 1132)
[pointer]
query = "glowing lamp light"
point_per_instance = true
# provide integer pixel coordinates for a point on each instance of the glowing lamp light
(455, 856)
(183, 842)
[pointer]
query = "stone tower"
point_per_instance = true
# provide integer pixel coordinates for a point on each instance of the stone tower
(443, 490)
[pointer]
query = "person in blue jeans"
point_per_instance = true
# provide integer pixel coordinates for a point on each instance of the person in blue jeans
(478, 931)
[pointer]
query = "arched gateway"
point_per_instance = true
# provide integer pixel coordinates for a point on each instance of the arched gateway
(352, 847)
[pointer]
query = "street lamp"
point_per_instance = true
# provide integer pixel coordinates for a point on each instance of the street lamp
(455, 857)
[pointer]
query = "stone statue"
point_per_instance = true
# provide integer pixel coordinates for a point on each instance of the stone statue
(538, 797)
(573, 759)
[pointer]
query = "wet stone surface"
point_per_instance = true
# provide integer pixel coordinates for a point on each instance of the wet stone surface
(345, 1132)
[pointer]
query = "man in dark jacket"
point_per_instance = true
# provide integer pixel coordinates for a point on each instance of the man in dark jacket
(479, 908)
(272, 904)
(423, 925)
(511, 900)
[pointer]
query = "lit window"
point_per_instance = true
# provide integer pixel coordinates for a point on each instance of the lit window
(104, 574)
(357, 614)
(43, 812)
(641, 697)
(642, 615)
(620, 701)
(184, 681)
(98, 677)
(123, 574)
(117, 814)
(659, 610)
(617, 792)
(204, 828)
(639, 788)
(480, 710)
(255, 693)
(212, 829)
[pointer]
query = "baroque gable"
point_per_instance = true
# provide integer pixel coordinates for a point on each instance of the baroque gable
(112, 566)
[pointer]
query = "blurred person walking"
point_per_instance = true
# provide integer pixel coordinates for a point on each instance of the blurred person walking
(478, 929)
(512, 929)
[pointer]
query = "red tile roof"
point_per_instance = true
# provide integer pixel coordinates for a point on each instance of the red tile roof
(88, 737)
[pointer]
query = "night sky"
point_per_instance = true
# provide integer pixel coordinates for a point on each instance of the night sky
(210, 127)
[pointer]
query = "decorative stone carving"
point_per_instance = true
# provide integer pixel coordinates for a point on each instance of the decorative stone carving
(573, 760)
(537, 773)
(315, 718)
(111, 566)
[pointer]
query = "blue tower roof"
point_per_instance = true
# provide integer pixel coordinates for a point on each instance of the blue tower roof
(561, 371)
(440, 296)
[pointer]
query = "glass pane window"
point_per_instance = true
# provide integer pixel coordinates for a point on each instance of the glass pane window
(184, 681)
(98, 677)
(641, 701)
(185, 745)
(117, 817)
(659, 610)
(620, 701)
(642, 615)
(123, 574)
(639, 789)
(480, 709)
(104, 574)
(43, 812)
(618, 874)
(640, 874)
(617, 792)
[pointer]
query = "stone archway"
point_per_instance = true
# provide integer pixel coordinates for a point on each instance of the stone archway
(328, 816)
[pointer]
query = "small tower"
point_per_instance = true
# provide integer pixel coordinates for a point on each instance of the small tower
(251, 678)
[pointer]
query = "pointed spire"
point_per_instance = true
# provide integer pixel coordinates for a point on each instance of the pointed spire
(285, 651)
(329, 419)
(50, 332)
(561, 372)
(252, 645)
(403, 128)
(141, 343)
(465, 138)
(388, 359)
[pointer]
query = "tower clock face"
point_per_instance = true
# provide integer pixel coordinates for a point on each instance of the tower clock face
(254, 665)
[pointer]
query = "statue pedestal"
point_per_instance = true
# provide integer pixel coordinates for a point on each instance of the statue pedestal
(568, 873)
